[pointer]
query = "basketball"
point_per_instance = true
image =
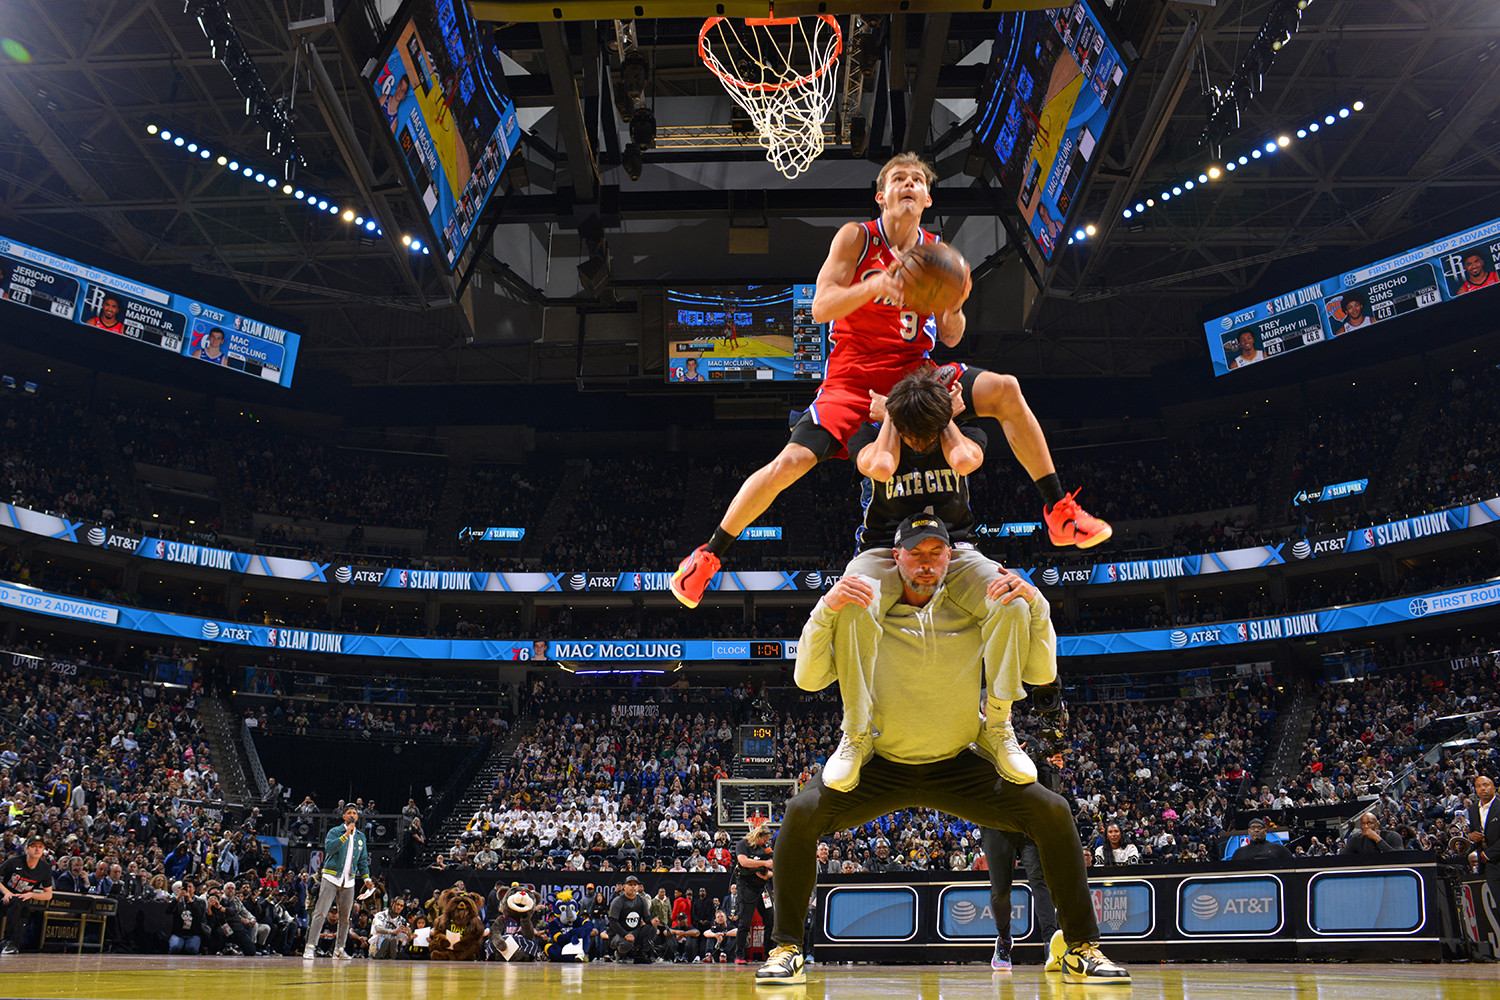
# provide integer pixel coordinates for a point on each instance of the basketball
(932, 277)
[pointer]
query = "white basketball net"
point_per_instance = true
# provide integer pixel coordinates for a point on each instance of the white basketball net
(783, 73)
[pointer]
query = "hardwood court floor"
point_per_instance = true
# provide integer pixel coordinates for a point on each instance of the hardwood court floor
(149, 978)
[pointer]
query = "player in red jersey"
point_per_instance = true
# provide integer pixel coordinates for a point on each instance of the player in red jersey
(876, 340)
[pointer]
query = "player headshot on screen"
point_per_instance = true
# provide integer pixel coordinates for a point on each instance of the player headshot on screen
(690, 371)
(1356, 309)
(539, 650)
(211, 347)
(1477, 273)
(4, 282)
(1248, 354)
(109, 316)
(391, 105)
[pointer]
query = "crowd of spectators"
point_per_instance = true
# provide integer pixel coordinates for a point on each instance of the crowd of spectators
(52, 460)
(1458, 460)
(304, 478)
(624, 516)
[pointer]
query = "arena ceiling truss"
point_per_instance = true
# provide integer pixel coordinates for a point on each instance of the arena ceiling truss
(76, 161)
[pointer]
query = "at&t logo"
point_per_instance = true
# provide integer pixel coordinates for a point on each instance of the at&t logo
(1204, 906)
(96, 536)
(813, 580)
(342, 574)
(210, 630)
(1050, 576)
(1179, 638)
(1300, 549)
(964, 912)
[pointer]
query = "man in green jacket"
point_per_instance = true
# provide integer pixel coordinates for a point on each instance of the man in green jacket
(345, 856)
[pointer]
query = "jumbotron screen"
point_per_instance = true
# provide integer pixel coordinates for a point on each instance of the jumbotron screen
(440, 92)
(1352, 302)
(1054, 82)
(744, 333)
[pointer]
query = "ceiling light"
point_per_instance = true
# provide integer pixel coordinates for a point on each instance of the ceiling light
(1230, 165)
(348, 215)
(1139, 207)
(1284, 141)
(1270, 147)
(1302, 133)
(1091, 229)
(203, 153)
(1177, 190)
(1314, 127)
(1329, 120)
(321, 204)
(260, 178)
(1150, 202)
(177, 141)
(1359, 105)
(286, 189)
(1080, 235)
(151, 129)
(192, 147)
(1214, 172)
(1128, 213)
(223, 160)
(299, 195)
(406, 240)
(234, 165)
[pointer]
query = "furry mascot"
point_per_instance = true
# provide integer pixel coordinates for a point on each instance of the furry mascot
(458, 935)
(567, 931)
(513, 935)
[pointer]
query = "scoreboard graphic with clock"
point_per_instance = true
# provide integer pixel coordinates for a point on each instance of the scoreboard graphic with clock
(757, 750)
(1351, 302)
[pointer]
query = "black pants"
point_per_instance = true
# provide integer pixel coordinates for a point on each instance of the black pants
(18, 915)
(1000, 851)
(752, 901)
(638, 950)
(965, 786)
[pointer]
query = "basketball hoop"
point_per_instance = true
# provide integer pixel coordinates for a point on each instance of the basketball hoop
(780, 70)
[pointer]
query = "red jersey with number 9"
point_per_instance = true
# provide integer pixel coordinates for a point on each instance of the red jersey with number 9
(878, 343)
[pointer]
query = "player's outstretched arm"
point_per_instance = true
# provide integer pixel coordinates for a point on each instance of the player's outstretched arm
(963, 456)
(839, 292)
(879, 458)
(951, 324)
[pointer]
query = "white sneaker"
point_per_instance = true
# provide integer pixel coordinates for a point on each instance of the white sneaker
(998, 744)
(340, 955)
(307, 954)
(841, 772)
(783, 967)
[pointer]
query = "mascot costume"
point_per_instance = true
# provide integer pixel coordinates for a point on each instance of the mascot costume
(458, 935)
(513, 935)
(567, 932)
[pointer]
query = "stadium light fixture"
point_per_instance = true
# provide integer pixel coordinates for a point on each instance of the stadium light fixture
(1262, 147)
(406, 240)
(348, 215)
(222, 160)
(203, 153)
(152, 129)
(177, 141)
(1080, 236)
(1091, 229)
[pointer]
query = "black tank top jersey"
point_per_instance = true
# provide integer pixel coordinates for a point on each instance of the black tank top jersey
(921, 482)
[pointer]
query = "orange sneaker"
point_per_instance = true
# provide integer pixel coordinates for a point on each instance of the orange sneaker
(1070, 524)
(693, 574)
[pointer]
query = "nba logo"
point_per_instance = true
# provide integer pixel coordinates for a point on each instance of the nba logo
(1113, 576)
(1369, 538)
(1243, 631)
(636, 583)
(161, 550)
(1096, 896)
(403, 579)
(271, 637)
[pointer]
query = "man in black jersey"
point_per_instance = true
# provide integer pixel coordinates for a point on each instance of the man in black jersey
(24, 879)
(918, 460)
(752, 872)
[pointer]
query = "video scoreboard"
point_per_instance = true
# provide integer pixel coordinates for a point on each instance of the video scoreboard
(91, 297)
(1352, 302)
(757, 750)
(744, 333)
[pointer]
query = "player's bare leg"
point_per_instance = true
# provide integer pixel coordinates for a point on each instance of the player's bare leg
(999, 396)
(756, 494)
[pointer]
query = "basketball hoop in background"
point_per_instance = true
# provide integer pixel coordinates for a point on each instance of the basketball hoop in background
(782, 71)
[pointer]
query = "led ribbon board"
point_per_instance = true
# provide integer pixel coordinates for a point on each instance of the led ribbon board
(101, 300)
(1350, 303)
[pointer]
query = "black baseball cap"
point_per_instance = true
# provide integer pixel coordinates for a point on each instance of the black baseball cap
(918, 527)
(35, 838)
(1258, 821)
(631, 878)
